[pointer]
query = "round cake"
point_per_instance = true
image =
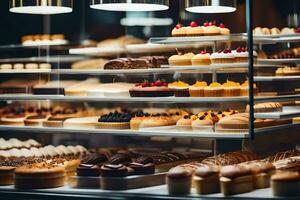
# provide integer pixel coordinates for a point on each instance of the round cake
(201, 59)
(179, 31)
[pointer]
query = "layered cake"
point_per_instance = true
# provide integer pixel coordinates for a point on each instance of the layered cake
(222, 56)
(147, 89)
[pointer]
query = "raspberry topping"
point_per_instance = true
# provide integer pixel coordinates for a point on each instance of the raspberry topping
(222, 25)
(239, 50)
(210, 24)
(297, 30)
(157, 83)
(193, 24)
(178, 26)
(227, 50)
(203, 52)
(206, 24)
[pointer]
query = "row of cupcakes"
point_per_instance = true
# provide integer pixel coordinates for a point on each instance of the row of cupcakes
(207, 29)
(215, 89)
(239, 55)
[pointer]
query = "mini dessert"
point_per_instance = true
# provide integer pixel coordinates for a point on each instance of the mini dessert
(18, 66)
(222, 56)
(231, 89)
(14, 119)
(210, 29)
(157, 89)
(180, 89)
(114, 121)
(81, 122)
(214, 90)
(57, 37)
(285, 184)
(235, 180)
(39, 176)
(202, 59)
(89, 166)
(44, 66)
(6, 175)
(181, 59)
(197, 90)
(203, 122)
(113, 170)
(266, 31)
(194, 29)
(36, 120)
(179, 181)
(275, 31)
(234, 122)
(224, 30)
(185, 123)
(206, 180)
(288, 71)
(179, 31)
(287, 31)
(245, 89)
(142, 168)
(31, 66)
(6, 66)
(266, 107)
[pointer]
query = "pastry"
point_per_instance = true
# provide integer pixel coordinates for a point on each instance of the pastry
(127, 63)
(179, 31)
(113, 170)
(36, 120)
(197, 90)
(288, 71)
(53, 87)
(179, 181)
(235, 180)
(39, 177)
(222, 56)
(238, 121)
(146, 89)
(214, 90)
(157, 121)
(224, 30)
(31, 66)
(57, 37)
(231, 89)
(181, 59)
(180, 88)
(201, 59)
(185, 123)
(266, 31)
(18, 66)
(245, 89)
(194, 29)
(44, 66)
(266, 107)
(210, 29)
(206, 180)
(81, 122)
(156, 61)
(89, 64)
(285, 184)
(142, 169)
(275, 31)
(241, 55)
(13, 120)
(114, 121)
(202, 123)
(6, 66)
(287, 31)
(6, 175)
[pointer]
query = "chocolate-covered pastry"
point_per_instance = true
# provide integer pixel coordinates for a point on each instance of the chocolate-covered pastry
(111, 170)
(127, 63)
(88, 170)
(142, 169)
(94, 159)
(144, 160)
(119, 158)
(156, 61)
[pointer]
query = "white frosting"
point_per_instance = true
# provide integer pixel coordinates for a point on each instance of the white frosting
(73, 149)
(65, 150)
(26, 153)
(36, 152)
(81, 149)
(33, 142)
(4, 154)
(221, 55)
(15, 153)
(243, 54)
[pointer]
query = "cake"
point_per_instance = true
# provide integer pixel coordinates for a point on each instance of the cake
(36, 120)
(210, 29)
(113, 170)
(179, 181)
(288, 71)
(89, 64)
(285, 184)
(18, 66)
(194, 29)
(146, 89)
(6, 66)
(110, 90)
(237, 122)
(206, 180)
(214, 90)
(179, 31)
(114, 121)
(201, 59)
(287, 31)
(266, 107)
(275, 31)
(231, 89)
(222, 56)
(181, 59)
(197, 90)
(224, 30)
(6, 175)
(44, 66)
(245, 89)
(235, 180)
(127, 63)
(81, 122)
(180, 88)
(31, 66)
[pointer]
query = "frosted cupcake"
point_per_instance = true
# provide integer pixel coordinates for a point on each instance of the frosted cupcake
(231, 89)
(179, 31)
(194, 29)
(197, 90)
(214, 90)
(221, 57)
(201, 59)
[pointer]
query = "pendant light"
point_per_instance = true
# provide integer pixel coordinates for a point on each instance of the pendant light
(42, 7)
(130, 5)
(210, 6)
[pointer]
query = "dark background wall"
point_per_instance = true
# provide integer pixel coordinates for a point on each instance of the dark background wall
(86, 23)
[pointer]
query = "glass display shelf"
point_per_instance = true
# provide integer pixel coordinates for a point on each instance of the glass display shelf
(288, 112)
(50, 58)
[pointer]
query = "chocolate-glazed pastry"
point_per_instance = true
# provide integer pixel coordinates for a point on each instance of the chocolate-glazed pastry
(144, 160)
(94, 159)
(111, 170)
(142, 169)
(156, 61)
(88, 170)
(119, 158)
(127, 63)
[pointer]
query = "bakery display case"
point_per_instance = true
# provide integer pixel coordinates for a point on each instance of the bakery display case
(205, 110)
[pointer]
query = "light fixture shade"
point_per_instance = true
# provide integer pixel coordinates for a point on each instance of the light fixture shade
(211, 6)
(41, 7)
(130, 5)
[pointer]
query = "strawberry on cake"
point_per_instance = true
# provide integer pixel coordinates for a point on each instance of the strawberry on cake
(156, 89)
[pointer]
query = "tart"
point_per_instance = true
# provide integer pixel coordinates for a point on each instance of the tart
(36, 120)
(146, 89)
(224, 30)
(197, 90)
(180, 88)
(214, 90)
(181, 59)
(114, 121)
(201, 59)
(81, 122)
(210, 29)
(179, 31)
(13, 120)
(222, 56)
(194, 30)
(231, 89)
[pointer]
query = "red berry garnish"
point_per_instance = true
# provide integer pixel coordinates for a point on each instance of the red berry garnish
(206, 24)
(222, 25)
(165, 84)
(297, 30)
(193, 24)
(210, 24)
(178, 26)
(144, 84)
(243, 49)
(239, 50)
(203, 52)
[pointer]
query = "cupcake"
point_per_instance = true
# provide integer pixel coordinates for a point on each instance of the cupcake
(214, 90)
(180, 88)
(224, 30)
(210, 29)
(179, 31)
(231, 89)
(201, 59)
(181, 60)
(245, 89)
(221, 57)
(197, 90)
(194, 30)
